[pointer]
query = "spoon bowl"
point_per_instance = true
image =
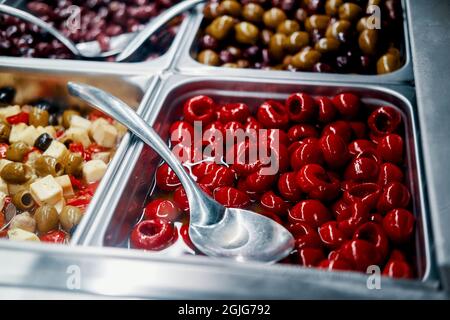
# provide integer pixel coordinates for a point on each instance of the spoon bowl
(215, 230)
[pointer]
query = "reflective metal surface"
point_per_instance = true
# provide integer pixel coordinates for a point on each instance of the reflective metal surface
(185, 62)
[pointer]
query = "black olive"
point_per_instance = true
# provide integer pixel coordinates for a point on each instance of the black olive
(7, 95)
(44, 104)
(43, 141)
(53, 119)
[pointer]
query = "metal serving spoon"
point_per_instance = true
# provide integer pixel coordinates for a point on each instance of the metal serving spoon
(215, 230)
(124, 45)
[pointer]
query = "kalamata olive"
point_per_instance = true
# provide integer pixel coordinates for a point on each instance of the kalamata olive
(368, 41)
(306, 59)
(296, 41)
(388, 63)
(17, 151)
(5, 130)
(288, 27)
(220, 27)
(67, 116)
(7, 95)
(73, 163)
(343, 63)
(246, 33)
(332, 7)
(231, 7)
(252, 53)
(350, 11)
(326, 45)
(253, 12)
(234, 51)
(276, 46)
(47, 218)
(314, 6)
(321, 67)
(209, 57)
(38, 117)
(317, 21)
(46, 165)
(70, 217)
(208, 42)
(266, 34)
(273, 17)
(16, 172)
(301, 15)
(226, 56)
(43, 141)
(23, 200)
(212, 10)
(365, 64)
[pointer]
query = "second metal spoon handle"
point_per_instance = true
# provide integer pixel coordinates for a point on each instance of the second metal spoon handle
(119, 111)
(23, 15)
(154, 25)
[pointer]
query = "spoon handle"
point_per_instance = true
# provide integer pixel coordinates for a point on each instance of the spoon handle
(23, 15)
(119, 111)
(154, 25)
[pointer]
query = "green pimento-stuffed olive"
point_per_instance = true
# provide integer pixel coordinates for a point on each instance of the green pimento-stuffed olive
(47, 218)
(16, 172)
(17, 151)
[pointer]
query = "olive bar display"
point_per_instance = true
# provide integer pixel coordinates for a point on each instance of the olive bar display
(158, 275)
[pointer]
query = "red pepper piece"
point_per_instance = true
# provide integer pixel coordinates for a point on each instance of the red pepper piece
(18, 118)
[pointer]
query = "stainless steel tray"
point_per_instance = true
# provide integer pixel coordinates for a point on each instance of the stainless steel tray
(186, 63)
(31, 84)
(123, 205)
(159, 64)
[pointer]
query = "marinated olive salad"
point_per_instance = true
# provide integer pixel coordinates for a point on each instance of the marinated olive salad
(51, 162)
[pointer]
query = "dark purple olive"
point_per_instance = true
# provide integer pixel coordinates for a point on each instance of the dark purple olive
(226, 56)
(252, 53)
(315, 6)
(7, 95)
(46, 105)
(39, 8)
(321, 67)
(43, 141)
(301, 15)
(285, 5)
(208, 42)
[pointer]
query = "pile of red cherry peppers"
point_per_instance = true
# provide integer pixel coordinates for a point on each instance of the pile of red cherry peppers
(340, 189)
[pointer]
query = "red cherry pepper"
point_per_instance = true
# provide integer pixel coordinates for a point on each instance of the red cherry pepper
(359, 129)
(156, 235)
(374, 234)
(166, 179)
(360, 253)
(330, 235)
(312, 212)
(399, 225)
(161, 209)
(305, 235)
(301, 107)
(334, 150)
(327, 110)
(199, 108)
(390, 148)
(181, 131)
(259, 182)
(181, 200)
(347, 104)
(55, 236)
(77, 184)
(184, 232)
(306, 153)
(219, 177)
(318, 183)
(273, 203)
(302, 131)
(231, 197)
(359, 146)
(22, 117)
(384, 120)
(288, 188)
(394, 196)
(367, 193)
(80, 202)
(398, 269)
(341, 128)
(330, 265)
(238, 112)
(310, 257)
(362, 169)
(272, 114)
(359, 214)
(341, 210)
(389, 173)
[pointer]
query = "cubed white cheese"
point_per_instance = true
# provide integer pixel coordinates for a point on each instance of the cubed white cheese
(2, 199)
(64, 182)
(94, 170)
(104, 133)
(9, 111)
(51, 131)
(22, 235)
(121, 129)
(16, 132)
(3, 187)
(77, 135)
(56, 150)
(60, 205)
(77, 121)
(46, 191)
(104, 156)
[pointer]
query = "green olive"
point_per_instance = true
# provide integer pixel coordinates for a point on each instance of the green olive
(341, 26)
(368, 41)
(38, 117)
(388, 63)
(23, 200)
(362, 24)
(288, 27)
(253, 12)
(73, 163)
(208, 57)
(317, 21)
(326, 45)
(273, 17)
(46, 165)
(5, 130)
(276, 46)
(350, 11)
(17, 151)
(220, 27)
(16, 172)
(70, 217)
(67, 116)
(47, 218)
(246, 33)
(306, 59)
(231, 7)
(212, 10)
(332, 7)
(296, 41)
